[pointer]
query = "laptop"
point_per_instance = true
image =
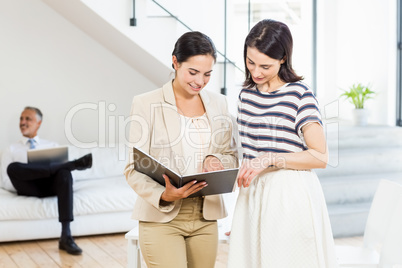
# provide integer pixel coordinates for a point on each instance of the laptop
(48, 155)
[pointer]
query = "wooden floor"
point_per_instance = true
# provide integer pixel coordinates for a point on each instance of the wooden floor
(98, 251)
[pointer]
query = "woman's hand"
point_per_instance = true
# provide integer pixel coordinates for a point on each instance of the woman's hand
(211, 163)
(251, 168)
(172, 193)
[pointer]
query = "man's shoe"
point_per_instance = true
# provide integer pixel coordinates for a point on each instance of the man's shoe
(83, 162)
(68, 244)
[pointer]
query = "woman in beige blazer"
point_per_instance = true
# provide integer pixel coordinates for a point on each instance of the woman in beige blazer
(190, 131)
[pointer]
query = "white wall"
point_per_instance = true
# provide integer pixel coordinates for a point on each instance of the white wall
(157, 32)
(357, 43)
(49, 63)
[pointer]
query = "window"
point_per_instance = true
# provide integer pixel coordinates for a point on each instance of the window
(297, 14)
(240, 17)
(399, 66)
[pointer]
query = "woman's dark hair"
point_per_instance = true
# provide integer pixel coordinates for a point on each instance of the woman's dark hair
(273, 38)
(193, 44)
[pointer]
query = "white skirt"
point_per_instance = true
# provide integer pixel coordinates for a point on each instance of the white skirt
(281, 221)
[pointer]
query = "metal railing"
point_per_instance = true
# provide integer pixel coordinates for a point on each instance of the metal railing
(250, 8)
(399, 65)
(224, 54)
(133, 20)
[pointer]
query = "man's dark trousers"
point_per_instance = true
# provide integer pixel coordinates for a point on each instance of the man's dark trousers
(41, 180)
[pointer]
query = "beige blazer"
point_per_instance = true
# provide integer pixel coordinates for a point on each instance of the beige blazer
(156, 128)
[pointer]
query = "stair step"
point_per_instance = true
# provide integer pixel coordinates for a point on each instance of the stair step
(347, 136)
(354, 188)
(359, 158)
(348, 219)
(363, 161)
(349, 200)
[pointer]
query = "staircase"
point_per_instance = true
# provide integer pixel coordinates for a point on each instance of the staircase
(146, 47)
(359, 158)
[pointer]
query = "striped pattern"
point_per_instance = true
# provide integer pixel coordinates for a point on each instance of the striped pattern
(272, 122)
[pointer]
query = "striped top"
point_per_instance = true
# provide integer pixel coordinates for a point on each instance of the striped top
(272, 122)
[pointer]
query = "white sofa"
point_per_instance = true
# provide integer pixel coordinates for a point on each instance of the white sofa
(103, 202)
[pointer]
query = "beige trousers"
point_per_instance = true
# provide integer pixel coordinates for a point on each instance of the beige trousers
(187, 241)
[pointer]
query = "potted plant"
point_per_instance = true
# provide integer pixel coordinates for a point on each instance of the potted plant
(358, 94)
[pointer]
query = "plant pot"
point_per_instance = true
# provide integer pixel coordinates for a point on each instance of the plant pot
(361, 116)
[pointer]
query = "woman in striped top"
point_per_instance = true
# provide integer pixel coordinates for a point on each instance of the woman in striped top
(281, 218)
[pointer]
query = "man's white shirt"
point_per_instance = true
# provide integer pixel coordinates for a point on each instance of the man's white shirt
(17, 152)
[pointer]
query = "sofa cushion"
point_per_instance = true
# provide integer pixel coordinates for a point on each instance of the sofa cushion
(94, 196)
(107, 162)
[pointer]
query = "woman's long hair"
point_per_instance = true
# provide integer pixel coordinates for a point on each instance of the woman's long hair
(272, 38)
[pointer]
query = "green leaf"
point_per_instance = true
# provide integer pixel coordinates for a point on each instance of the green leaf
(358, 94)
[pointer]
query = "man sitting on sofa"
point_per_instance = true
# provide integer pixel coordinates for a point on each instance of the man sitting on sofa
(42, 180)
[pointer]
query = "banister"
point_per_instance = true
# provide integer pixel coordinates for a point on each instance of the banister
(133, 20)
(226, 60)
